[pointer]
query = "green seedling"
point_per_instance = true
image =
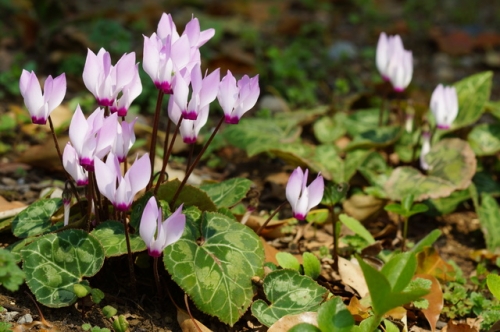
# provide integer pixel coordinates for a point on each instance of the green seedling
(333, 316)
(311, 265)
(405, 210)
(109, 311)
(120, 324)
(392, 286)
(11, 276)
(83, 289)
(88, 327)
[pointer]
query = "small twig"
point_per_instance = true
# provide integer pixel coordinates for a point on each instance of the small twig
(42, 318)
(152, 149)
(270, 217)
(189, 312)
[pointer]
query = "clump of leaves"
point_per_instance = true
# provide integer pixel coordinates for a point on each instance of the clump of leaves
(11, 276)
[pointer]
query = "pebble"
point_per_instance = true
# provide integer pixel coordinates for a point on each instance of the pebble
(342, 49)
(9, 316)
(25, 319)
(273, 103)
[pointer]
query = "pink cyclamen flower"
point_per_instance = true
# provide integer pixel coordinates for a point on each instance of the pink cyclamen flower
(444, 106)
(301, 197)
(237, 98)
(386, 46)
(129, 93)
(400, 69)
(157, 234)
(204, 91)
(71, 163)
(426, 148)
(105, 81)
(125, 138)
(121, 190)
(40, 106)
(92, 137)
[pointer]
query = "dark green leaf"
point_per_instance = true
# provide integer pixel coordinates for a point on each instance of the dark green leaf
(35, 219)
(227, 193)
(333, 316)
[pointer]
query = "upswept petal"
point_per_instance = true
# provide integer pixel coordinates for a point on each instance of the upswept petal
(106, 179)
(181, 92)
(228, 93)
(157, 245)
(72, 165)
(174, 111)
(91, 72)
(210, 88)
(33, 98)
(316, 189)
(151, 56)
(166, 27)
(125, 71)
(381, 57)
(294, 186)
(178, 53)
(57, 91)
(139, 174)
(147, 228)
(78, 128)
(174, 226)
(24, 81)
(106, 135)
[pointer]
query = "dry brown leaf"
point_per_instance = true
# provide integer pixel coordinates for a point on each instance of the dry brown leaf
(495, 327)
(45, 155)
(287, 322)
(459, 327)
(362, 207)
(430, 262)
(10, 209)
(398, 313)
(269, 251)
(352, 275)
(435, 298)
(187, 325)
(357, 310)
(272, 229)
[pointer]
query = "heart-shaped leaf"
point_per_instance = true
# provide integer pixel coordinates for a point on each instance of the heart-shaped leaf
(289, 293)
(112, 237)
(328, 129)
(227, 193)
(56, 262)
(35, 219)
(361, 121)
(484, 139)
(214, 262)
(334, 316)
(452, 166)
(473, 93)
(190, 196)
(376, 137)
(489, 215)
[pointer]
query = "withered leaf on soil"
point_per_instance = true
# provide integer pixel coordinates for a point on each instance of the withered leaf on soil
(431, 263)
(435, 299)
(287, 322)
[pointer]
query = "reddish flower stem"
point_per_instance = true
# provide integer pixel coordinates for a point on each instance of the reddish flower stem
(166, 156)
(154, 134)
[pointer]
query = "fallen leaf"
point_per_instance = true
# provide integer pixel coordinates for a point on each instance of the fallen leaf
(45, 155)
(189, 324)
(431, 263)
(269, 251)
(458, 327)
(287, 322)
(352, 275)
(362, 207)
(435, 299)
(357, 310)
(272, 229)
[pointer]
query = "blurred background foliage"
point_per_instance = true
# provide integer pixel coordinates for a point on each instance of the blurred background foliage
(305, 51)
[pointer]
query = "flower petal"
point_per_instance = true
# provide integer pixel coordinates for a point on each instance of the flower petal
(174, 226)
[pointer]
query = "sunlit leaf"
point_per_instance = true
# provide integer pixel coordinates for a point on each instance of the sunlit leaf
(227, 193)
(473, 93)
(214, 262)
(452, 166)
(333, 316)
(55, 262)
(328, 129)
(288, 261)
(311, 264)
(288, 293)
(484, 139)
(489, 215)
(189, 196)
(358, 228)
(111, 234)
(35, 219)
